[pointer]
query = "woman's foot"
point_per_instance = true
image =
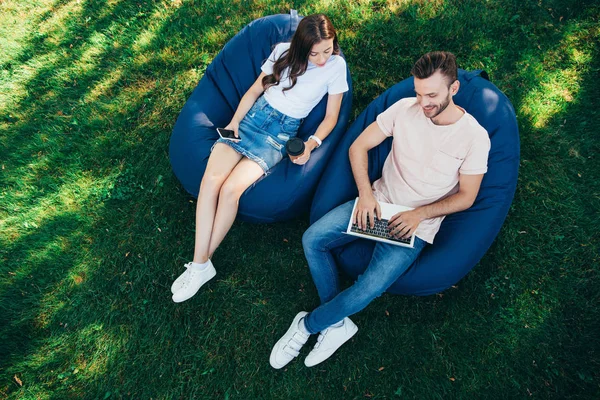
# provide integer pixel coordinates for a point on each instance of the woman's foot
(188, 283)
(178, 283)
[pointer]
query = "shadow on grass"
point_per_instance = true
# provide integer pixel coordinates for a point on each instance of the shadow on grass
(102, 322)
(43, 260)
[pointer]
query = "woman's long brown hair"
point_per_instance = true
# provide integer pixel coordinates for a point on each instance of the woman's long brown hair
(311, 30)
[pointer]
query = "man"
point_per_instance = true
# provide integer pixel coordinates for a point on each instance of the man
(436, 164)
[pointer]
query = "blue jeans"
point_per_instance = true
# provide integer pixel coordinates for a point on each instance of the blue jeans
(387, 264)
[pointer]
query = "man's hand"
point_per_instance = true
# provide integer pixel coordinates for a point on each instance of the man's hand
(404, 224)
(359, 160)
(367, 207)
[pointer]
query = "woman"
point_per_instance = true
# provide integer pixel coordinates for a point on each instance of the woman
(293, 80)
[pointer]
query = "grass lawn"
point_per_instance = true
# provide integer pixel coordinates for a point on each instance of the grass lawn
(94, 227)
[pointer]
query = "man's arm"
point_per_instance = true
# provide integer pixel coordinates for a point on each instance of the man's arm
(359, 160)
(405, 223)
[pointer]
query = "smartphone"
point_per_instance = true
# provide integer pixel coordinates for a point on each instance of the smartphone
(227, 134)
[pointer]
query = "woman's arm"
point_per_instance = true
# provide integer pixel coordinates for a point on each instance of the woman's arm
(246, 104)
(334, 103)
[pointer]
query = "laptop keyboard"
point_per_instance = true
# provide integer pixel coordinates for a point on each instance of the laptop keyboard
(380, 230)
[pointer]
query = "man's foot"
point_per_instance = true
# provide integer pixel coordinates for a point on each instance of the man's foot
(192, 280)
(288, 347)
(329, 341)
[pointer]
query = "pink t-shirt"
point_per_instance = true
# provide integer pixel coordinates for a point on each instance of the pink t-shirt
(426, 159)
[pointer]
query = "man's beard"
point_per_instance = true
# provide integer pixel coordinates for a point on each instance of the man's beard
(439, 108)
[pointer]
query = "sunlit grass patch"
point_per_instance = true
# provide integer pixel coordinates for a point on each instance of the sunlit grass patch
(558, 86)
(13, 84)
(551, 97)
(59, 17)
(154, 25)
(93, 345)
(17, 22)
(78, 197)
(103, 87)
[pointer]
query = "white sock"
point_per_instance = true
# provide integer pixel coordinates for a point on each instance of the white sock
(337, 324)
(200, 266)
(302, 327)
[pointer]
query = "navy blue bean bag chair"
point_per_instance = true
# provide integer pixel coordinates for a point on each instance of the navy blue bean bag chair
(463, 237)
(287, 190)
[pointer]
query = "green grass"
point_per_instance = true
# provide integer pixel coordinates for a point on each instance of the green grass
(94, 227)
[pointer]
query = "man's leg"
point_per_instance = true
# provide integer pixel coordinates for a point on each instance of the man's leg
(387, 264)
(318, 241)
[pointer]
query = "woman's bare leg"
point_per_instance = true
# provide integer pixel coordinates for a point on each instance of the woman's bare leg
(221, 163)
(245, 173)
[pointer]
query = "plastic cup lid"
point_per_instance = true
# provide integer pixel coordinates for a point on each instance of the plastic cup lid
(294, 147)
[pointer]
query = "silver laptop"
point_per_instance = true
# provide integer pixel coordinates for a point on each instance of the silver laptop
(380, 231)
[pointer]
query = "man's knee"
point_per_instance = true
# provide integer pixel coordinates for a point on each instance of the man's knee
(313, 236)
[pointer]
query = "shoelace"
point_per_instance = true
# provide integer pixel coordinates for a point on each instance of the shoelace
(295, 345)
(190, 274)
(183, 276)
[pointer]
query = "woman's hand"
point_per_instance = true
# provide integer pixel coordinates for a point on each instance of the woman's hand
(309, 146)
(234, 126)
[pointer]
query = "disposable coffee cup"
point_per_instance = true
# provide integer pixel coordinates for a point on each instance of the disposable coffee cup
(294, 148)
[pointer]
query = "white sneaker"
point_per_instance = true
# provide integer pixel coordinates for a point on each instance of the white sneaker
(193, 281)
(288, 347)
(178, 283)
(329, 341)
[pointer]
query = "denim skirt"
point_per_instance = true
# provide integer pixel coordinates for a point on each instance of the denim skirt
(264, 132)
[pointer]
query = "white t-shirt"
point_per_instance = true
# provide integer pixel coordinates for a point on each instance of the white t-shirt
(310, 87)
(426, 159)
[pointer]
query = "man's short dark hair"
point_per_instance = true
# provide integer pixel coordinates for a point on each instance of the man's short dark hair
(442, 61)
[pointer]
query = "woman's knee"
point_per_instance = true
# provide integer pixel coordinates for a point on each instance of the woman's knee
(212, 182)
(231, 191)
